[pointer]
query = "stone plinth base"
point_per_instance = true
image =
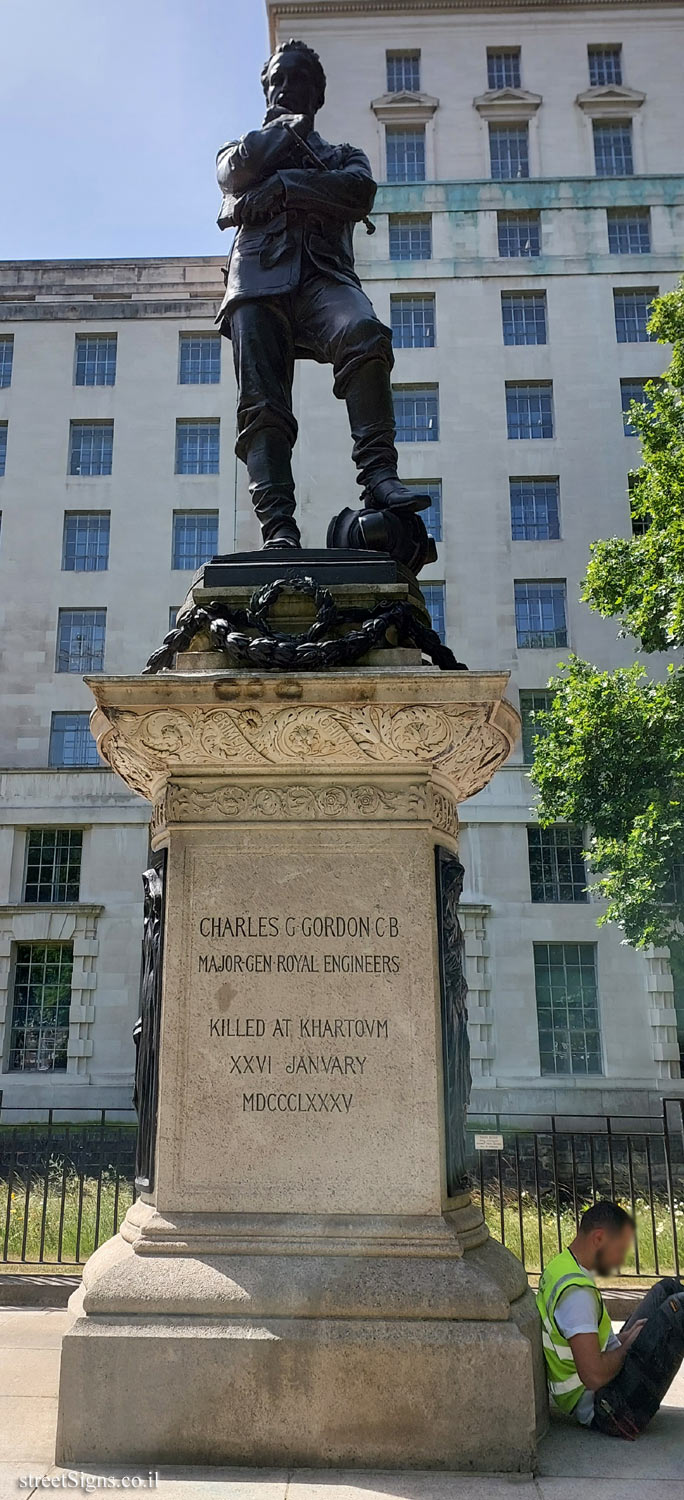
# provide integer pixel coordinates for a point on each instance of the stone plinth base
(355, 1344)
(303, 1280)
(299, 1393)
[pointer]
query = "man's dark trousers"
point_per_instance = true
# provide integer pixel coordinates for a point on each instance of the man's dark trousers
(331, 321)
(334, 323)
(625, 1406)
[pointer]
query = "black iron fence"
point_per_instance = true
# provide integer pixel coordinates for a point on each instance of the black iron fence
(536, 1176)
(67, 1179)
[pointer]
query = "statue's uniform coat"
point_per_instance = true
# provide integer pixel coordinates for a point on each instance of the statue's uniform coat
(292, 290)
(321, 208)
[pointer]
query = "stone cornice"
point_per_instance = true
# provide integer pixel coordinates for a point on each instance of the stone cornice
(110, 290)
(26, 311)
(404, 108)
(29, 908)
(610, 101)
(286, 10)
(507, 104)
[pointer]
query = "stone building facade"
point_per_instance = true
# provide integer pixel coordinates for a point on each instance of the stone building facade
(531, 203)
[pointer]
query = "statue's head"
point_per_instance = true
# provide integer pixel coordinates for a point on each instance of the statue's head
(293, 79)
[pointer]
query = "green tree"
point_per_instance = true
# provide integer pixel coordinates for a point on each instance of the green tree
(609, 753)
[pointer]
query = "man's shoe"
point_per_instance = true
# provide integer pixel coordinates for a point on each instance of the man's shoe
(391, 494)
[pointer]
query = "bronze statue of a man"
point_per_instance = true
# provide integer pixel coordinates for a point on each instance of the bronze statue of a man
(292, 291)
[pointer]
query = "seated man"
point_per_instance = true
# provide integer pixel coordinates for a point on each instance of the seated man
(613, 1384)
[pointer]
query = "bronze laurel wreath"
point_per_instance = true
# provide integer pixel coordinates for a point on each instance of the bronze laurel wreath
(275, 651)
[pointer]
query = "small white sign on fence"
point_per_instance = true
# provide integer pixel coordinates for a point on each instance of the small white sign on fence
(489, 1142)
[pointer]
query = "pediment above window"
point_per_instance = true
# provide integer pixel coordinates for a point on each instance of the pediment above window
(610, 101)
(507, 104)
(404, 108)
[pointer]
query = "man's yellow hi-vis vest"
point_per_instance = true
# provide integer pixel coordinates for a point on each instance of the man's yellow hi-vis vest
(564, 1382)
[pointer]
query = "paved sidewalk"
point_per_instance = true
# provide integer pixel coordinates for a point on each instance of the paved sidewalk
(574, 1465)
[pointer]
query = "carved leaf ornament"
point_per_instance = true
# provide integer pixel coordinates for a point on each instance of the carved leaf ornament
(143, 745)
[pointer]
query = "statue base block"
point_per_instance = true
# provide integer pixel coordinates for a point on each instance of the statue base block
(303, 1279)
(390, 1348)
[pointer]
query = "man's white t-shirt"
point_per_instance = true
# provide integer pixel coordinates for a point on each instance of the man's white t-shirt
(577, 1311)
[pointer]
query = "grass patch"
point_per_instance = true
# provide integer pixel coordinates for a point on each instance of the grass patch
(36, 1231)
(655, 1232)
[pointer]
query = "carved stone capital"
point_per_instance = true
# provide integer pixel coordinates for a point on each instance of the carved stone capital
(444, 810)
(154, 731)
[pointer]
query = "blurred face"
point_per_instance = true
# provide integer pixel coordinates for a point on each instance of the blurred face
(611, 1250)
(290, 85)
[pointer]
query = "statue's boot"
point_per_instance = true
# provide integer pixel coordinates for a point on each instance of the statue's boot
(371, 418)
(271, 485)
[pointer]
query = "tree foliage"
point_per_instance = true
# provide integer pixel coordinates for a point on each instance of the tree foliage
(609, 752)
(640, 580)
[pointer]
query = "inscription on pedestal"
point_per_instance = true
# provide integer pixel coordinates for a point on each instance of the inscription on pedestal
(302, 1031)
(291, 1039)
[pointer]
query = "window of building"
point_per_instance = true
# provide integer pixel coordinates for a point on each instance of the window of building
(3, 447)
(677, 967)
(605, 65)
(519, 235)
(403, 72)
(71, 743)
(413, 321)
(503, 67)
(529, 409)
(199, 360)
(509, 152)
(197, 446)
(6, 359)
(524, 317)
(613, 155)
(85, 543)
(567, 1008)
(195, 537)
(81, 640)
(90, 448)
(410, 237)
(173, 615)
(629, 231)
(557, 868)
(540, 613)
(640, 522)
(432, 518)
(535, 510)
(95, 359)
(533, 701)
(433, 594)
(53, 864)
(41, 1001)
(416, 413)
(674, 885)
(632, 312)
(405, 154)
(633, 390)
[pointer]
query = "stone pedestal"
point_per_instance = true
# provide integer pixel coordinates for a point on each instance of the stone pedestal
(304, 1279)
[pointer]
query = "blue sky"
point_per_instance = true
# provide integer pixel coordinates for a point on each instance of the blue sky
(113, 111)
